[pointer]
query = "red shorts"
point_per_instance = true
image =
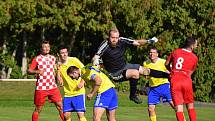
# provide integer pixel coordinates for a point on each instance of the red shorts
(181, 90)
(53, 96)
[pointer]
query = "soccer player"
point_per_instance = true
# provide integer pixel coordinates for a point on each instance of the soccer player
(74, 91)
(43, 65)
(159, 87)
(184, 63)
(106, 98)
(112, 54)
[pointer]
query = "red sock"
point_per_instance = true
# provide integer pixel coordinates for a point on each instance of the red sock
(62, 116)
(192, 114)
(180, 116)
(35, 116)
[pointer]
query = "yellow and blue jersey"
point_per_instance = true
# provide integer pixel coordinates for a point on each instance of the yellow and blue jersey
(89, 73)
(160, 66)
(70, 85)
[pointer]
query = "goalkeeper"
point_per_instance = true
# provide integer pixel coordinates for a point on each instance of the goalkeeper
(112, 54)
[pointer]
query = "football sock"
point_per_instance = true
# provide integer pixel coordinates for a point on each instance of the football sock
(69, 119)
(133, 87)
(153, 118)
(180, 116)
(83, 119)
(192, 114)
(35, 116)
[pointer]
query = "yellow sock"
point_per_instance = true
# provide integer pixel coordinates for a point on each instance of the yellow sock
(184, 117)
(69, 119)
(83, 119)
(153, 118)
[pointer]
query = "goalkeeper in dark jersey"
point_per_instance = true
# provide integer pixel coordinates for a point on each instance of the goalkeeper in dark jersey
(112, 54)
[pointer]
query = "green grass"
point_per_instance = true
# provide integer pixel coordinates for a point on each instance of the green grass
(16, 104)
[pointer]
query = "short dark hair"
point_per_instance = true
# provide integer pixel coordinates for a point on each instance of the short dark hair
(45, 42)
(71, 69)
(158, 51)
(190, 41)
(62, 47)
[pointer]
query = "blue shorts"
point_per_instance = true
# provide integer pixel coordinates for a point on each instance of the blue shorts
(107, 100)
(159, 91)
(74, 104)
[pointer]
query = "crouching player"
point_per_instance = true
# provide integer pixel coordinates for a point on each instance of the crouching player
(106, 98)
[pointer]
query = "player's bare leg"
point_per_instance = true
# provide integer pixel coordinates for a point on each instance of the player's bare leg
(111, 115)
(152, 113)
(59, 108)
(97, 113)
(132, 73)
(179, 113)
(67, 116)
(81, 116)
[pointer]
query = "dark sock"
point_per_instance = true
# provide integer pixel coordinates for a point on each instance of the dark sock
(133, 87)
(158, 74)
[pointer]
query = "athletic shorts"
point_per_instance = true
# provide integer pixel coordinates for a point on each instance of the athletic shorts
(120, 75)
(107, 100)
(159, 91)
(181, 90)
(74, 104)
(53, 96)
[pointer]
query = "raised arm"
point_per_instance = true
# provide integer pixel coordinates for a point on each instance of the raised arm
(97, 84)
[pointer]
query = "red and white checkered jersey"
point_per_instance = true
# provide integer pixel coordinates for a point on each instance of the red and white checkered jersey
(46, 63)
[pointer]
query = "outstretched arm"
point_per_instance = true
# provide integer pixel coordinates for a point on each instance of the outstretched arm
(141, 42)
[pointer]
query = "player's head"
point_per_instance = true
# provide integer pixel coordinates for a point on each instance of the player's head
(63, 53)
(191, 43)
(113, 37)
(73, 72)
(45, 47)
(153, 54)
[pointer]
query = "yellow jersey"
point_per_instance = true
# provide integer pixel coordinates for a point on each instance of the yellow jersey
(89, 73)
(70, 85)
(160, 66)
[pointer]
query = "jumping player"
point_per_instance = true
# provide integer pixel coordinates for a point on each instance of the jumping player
(112, 52)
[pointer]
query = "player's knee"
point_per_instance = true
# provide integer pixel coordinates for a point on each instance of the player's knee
(135, 75)
(96, 118)
(67, 116)
(151, 109)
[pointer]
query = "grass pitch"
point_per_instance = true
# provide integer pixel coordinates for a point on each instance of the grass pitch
(16, 104)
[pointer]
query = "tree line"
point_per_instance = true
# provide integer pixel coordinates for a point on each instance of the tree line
(83, 24)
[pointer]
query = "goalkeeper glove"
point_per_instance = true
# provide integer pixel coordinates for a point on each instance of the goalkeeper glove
(152, 40)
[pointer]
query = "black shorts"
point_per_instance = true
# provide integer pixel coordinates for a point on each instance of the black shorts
(120, 75)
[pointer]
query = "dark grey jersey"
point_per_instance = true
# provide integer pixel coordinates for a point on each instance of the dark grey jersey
(113, 57)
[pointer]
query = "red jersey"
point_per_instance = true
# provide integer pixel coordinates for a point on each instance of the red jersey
(183, 62)
(46, 63)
